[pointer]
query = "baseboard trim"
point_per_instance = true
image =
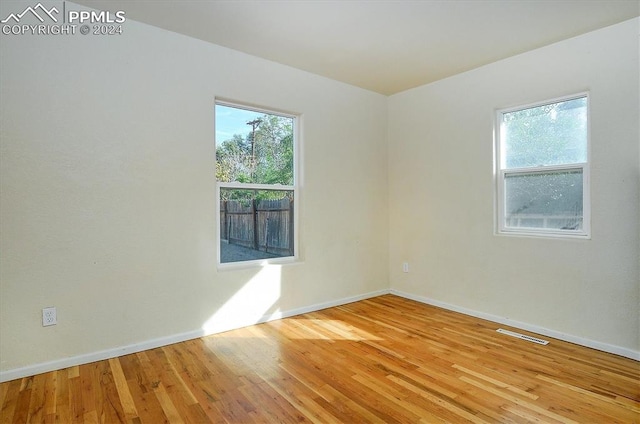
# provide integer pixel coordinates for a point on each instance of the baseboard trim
(177, 338)
(165, 341)
(616, 350)
(324, 305)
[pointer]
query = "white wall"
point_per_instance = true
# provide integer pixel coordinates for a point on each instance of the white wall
(108, 193)
(441, 193)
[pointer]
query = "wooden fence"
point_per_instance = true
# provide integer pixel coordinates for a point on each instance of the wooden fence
(264, 225)
(562, 222)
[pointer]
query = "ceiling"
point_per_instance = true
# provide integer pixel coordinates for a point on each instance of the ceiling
(384, 46)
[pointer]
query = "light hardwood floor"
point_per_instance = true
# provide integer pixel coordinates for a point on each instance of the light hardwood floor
(385, 359)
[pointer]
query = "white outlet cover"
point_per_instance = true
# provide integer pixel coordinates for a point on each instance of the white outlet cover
(49, 316)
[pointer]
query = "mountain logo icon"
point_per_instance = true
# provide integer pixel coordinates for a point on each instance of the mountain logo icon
(38, 11)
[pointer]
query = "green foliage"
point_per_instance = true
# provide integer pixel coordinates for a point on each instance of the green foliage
(246, 196)
(274, 151)
(556, 192)
(232, 160)
(264, 156)
(551, 134)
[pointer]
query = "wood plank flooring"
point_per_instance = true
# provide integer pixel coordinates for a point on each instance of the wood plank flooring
(385, 359)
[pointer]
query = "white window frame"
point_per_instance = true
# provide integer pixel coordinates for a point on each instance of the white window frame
(295, 188)
(501, 175)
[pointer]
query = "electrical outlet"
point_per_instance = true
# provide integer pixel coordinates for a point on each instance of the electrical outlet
(49, 316)
(405, 267)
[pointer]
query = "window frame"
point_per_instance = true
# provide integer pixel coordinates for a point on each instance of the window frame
(501, 175)
(295, 187)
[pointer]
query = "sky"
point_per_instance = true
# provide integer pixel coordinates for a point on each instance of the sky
(230, 121)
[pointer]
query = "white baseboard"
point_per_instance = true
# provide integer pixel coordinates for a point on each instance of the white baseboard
(71, 361)
(176, 338)
(164, 341)
(324, 305)
(617, 350)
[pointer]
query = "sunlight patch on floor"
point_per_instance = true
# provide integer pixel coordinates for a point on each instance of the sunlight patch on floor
(328, 329)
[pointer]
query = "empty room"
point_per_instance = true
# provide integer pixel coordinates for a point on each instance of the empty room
(320, 211)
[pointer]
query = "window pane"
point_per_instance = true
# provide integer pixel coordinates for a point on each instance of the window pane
(255, 224)
(552, 134)
(253, 147)
(551, 200)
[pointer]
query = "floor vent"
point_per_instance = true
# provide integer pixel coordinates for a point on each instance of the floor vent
(522, 336)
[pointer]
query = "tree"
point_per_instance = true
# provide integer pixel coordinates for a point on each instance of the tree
(264, 156)
(551, 134)
(232, 160)
(274, 147)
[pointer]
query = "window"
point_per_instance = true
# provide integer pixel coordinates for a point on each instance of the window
(255, 183)
(542, 159)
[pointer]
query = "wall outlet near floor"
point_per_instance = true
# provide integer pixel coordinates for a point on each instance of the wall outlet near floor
(405, 267)
(49, 316)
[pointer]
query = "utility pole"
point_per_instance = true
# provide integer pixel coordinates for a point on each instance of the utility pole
(254, 125)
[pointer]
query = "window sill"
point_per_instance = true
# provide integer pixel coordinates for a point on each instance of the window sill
(544, 235)
(258, 263)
